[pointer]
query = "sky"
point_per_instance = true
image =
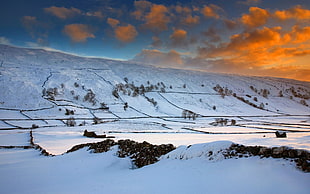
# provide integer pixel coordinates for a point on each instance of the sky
(248, 37)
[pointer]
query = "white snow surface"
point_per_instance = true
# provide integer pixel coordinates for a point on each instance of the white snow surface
(25, 171)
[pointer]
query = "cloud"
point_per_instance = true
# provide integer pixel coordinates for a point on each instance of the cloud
(250, 48)
(265, 51)
(257, 17)
(125, 34)
(298, 35)
(159, 59)
(62, 12)
(78, 32)
(297, 12)
(141, 8)
(186, 10)
(184, 15)
(157, 19)
(211, 11)
(4, 40)
(190, 20)
(113, 22)
(178, 38)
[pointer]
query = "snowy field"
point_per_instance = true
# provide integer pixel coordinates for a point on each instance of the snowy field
(25, 171)
(56, 97)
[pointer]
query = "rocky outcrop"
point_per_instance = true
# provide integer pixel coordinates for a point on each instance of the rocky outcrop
(94, 135)
(142, 154)
(300, 157)
(280, 134)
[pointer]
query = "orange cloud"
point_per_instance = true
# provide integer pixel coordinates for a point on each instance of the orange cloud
(256, 17)
(248, 48)
(184, 16)
(258, 38)
(178, 34)
(178, 37)
(190, 20)
(113, 22)
(62, 12)
(78, 32)
(157, 19)
(179, 9)
(125, 33)
(265, 51)
(299, 34)
(141, 8)
(211, 11)
(297, 12)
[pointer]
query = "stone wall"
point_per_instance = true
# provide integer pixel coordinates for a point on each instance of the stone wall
(300, 157)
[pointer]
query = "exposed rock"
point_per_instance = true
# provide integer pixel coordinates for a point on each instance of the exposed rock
(301, 157)
(141, 153)
(277, 152)
(94, 135)
(89, 134)
(280, 134)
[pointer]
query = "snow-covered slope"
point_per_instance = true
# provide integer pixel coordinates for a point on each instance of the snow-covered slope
(35, 79)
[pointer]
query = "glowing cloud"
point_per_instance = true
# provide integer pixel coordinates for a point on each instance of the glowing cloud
(178, 37)
(296, 12)
(211, 11)
(78, 32)
(141, 8)
(256, 17)
(126, 34)
(113, 22)
(157, 19)
(62, 12)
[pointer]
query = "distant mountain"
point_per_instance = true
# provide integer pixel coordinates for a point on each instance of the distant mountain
(40, 79)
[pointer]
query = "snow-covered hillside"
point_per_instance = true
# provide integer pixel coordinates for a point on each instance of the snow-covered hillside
(48, 99)
(34, 79)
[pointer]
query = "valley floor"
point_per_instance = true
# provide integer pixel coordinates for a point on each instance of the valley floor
(26, 171)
